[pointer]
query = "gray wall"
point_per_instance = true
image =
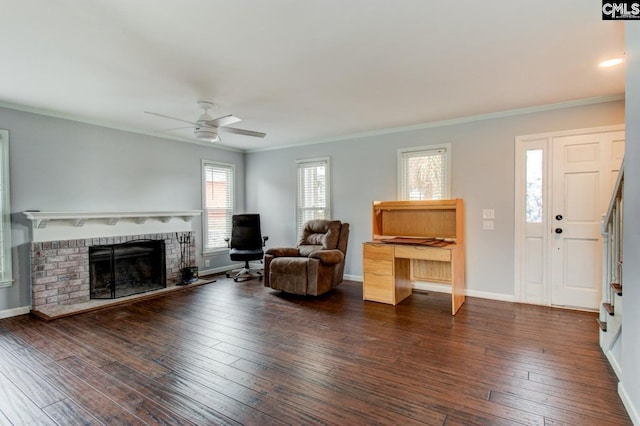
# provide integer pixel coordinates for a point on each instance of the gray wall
(61, 165)
(630, 388)
(363, 170)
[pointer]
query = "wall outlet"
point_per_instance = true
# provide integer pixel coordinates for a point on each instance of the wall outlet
(207, 262)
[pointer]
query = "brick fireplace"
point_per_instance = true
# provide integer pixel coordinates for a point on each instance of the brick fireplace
(60, 271)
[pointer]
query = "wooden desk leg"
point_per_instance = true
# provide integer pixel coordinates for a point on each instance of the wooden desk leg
(457, 280)
(402, 282)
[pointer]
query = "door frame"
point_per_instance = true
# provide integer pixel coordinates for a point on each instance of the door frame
(542, 141)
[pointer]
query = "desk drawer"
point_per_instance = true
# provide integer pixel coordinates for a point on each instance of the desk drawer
(424, 253)
(377, 251)
(378, 288)
(379, 267)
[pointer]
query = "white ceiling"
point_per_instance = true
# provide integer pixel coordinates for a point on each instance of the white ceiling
(302, 70)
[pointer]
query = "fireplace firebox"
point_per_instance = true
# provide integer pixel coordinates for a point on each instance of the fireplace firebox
(120, 270)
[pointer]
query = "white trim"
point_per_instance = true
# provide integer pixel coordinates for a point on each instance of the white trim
(353, 277)
(575, 132)
(6, 275)
(454, 121)
(492, 296)
(327, 164)
(7, 313)
(632, 410)
(435, 287)
(545, 140)
(446, 288)
(390, 130)
(617, 368)
(41, 219)
(54, 226)
(232, 166)
(521, 146)
(115, 126)
(219, 269)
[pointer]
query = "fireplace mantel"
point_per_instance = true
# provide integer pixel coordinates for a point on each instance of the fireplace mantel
(52, 226)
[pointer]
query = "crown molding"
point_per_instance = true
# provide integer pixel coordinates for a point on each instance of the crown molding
(110, 125)
(379, 132)
(455, 121)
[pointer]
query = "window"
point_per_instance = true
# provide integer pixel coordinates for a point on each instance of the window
(424, 173)
(6, 277)
(533, 190)
(218, 200)
(313, 191)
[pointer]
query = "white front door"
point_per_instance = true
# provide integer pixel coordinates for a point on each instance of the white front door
(581, 179)
(558, 240)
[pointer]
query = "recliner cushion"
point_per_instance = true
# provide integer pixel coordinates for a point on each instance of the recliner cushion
(320, 232)
(289, 274)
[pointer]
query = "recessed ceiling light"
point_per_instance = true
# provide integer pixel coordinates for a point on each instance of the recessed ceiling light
(611, 62)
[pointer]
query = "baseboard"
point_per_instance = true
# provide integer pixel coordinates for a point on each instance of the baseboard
(628, 404)
(488, 295)
(220, 269)
(435, 287)
(614, 364)
(7, 313)
(446, 288)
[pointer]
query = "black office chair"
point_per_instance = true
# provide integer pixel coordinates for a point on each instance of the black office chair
(246, 244)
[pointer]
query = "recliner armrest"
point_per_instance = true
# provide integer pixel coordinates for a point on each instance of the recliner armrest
(328, 257)
(283, 252)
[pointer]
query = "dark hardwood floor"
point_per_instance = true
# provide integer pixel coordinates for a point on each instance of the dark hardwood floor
(239, 353)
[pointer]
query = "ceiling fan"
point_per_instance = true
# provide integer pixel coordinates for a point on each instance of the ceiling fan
(206, 128)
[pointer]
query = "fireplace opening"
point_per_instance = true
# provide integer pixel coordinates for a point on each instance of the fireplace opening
(120, 270)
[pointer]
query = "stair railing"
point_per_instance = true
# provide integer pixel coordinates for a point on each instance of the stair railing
(612, 225)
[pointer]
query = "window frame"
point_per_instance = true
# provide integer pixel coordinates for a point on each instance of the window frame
(402, 169)
(6, 262)
(228, 167)
(300, 165)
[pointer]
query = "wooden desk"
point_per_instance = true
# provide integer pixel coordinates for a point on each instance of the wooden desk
(390, 268)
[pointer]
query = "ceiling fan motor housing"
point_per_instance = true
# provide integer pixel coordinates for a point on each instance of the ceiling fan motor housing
(207, 134)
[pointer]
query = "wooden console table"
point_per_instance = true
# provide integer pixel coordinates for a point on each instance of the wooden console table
(414, 241)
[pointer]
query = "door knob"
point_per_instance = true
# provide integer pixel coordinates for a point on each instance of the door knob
(558, 217)
(558, 230)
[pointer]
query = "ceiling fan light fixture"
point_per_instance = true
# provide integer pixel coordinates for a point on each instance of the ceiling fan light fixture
(611, 62)
(205, 134)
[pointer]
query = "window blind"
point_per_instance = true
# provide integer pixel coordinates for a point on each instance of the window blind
(313, 191)
(218, 203)
(424, 174)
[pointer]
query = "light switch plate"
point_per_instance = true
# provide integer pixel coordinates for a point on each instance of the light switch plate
(488, 214)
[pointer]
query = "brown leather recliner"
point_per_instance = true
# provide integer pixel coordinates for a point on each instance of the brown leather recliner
(315, 266)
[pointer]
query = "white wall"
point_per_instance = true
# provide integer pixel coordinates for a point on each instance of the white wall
(61, 165)
(630, 383)
(364, 170)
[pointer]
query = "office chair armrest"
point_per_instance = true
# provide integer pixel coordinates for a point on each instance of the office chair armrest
(283, 252)
(228, 241)
(264, 240)
(328, 257)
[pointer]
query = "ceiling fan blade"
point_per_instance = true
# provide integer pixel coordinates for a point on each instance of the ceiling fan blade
(171, 118)
(245, 132)
(223, 121)
(174, 128)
